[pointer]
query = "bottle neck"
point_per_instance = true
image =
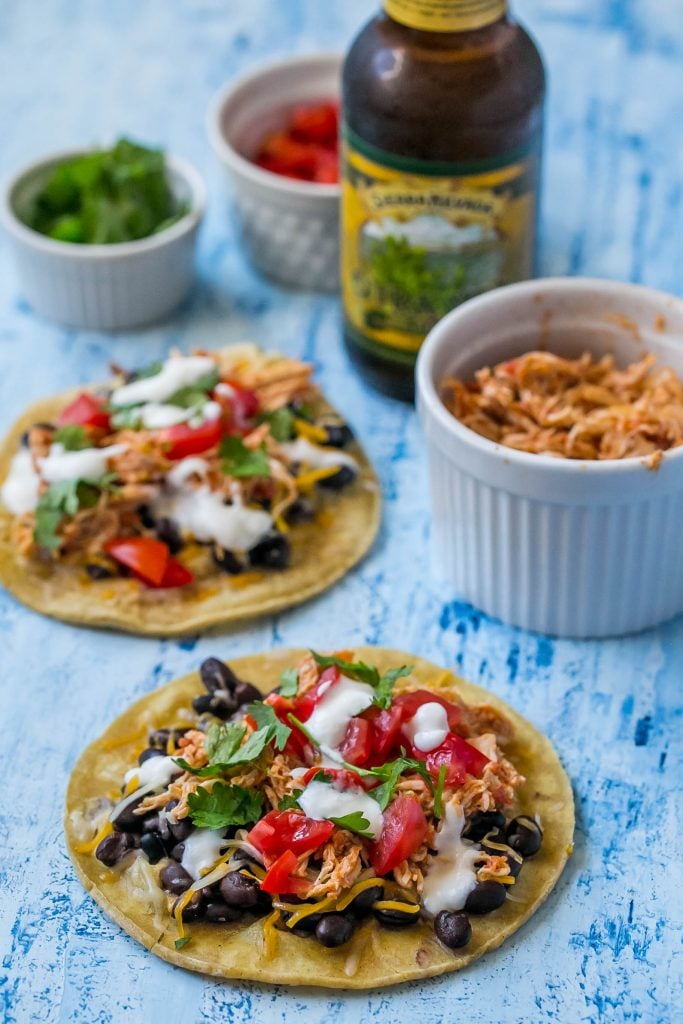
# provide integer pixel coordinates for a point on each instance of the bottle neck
(445, 15)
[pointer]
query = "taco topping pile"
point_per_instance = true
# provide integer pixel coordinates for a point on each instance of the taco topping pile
(335, 799)
(573, 408)
(194, 466)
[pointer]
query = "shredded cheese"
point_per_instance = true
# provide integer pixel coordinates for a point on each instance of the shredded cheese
(359, 887)
(269, 934)
(178, 911)
(132, 785)
(318, 435)
(486, 876)
(404, 907)
(92, 844)
(305, 481)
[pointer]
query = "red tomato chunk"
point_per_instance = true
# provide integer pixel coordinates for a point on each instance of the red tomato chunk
(288, 830)
(307, 148)
(460, 758)
(183, 440)
(404, 831)
(279, 879)
(85, 411)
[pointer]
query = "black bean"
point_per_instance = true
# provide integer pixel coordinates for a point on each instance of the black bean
(24, 439)
(453, 929)
(151, 823)
(146, 517)
(338, 434)
(227, 561)
(177, 851)
(481, 823)
(126, 821)
(148, 753)
(246, 693)
(168, 532)
(180, 830)
(398, 918)
(113, 847)
(364, 901)
(524, 836)
(344, 476)
(98, 572)
(239, 891)
(194, 908)
(217, 676)
(300, 511)
(153, 847)
(271, 553)
(160, 737)
(219, 912)
(174, 878)
(498, 839)
(334, 929)
(485, 897)
(514, 866)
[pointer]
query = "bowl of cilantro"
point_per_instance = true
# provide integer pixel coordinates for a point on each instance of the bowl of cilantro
(105, 239)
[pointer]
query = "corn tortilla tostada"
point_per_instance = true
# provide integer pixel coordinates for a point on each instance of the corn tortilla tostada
(203, 490)
(375, 819)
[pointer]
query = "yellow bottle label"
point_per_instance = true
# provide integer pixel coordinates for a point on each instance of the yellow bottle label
(419, 238)
(445, 15)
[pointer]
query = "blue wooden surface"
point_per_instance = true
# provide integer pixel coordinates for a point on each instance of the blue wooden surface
(606, 947)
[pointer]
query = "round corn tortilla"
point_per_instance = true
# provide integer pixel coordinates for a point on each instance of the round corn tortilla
(375, 956)
(322, 552)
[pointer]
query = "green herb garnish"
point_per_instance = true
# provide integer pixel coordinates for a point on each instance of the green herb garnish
(302, 728)
(388, 775)
(289, 682)
(195, 394)
(280, 423)
(224, 746)
(104, 197)
(438, 792)
(224, 805)
(382, 685)
(73, 437)
(290, 802)
(65, 499)
(180, 943)
(355, 822)
(240, 461)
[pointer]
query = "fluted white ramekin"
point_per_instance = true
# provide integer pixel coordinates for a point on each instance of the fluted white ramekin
(290, 228)
(567, 547)
(105, 287)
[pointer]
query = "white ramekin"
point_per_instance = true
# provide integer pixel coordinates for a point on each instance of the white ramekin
(290, 228)
(560, 546)
(105, 287)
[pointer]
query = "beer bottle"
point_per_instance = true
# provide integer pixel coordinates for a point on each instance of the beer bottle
(443, 109)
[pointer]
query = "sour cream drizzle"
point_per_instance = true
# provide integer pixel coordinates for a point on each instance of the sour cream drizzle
(88, 464)
(177, 372)
(313, 455)
(20, 490)
(428, 727)
(451, 876)
(155, 771)
(202, 850)
(333, 713)
(204, 513)
(322, 801)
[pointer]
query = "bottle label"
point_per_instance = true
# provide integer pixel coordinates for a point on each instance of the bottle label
(419, 238)
(445, 15)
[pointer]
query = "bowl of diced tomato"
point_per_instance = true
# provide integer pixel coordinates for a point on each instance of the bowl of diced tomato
(275, 131)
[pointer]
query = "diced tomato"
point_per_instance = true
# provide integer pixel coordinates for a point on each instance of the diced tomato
(85, 411)
(297, 744)
(175, 575)
(305, 704)
(460, 758)
(279, 879)
(386, 727)
(182, 440)
(288, 830)
(326, 168)
(285, 155)
(316, 124)
(241, 406)
(356, 747)
(404, 830)
(144, 556)
(410, 702)
(342, 778)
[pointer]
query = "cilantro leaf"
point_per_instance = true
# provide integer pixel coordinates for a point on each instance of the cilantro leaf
(290, 802)
(389, 775)
(224, 805)
(382, 685)
(265, 718)
(151, 370)
(179, 943)
(195, 393)
(355, 822)
(438, 792)
(73, 437)
(65, 498)
(280, 423)
(240, 461)
(302, 728)
(223, 740)
(289, 682)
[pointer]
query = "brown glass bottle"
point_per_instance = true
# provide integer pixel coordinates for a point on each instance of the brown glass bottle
(440, 173)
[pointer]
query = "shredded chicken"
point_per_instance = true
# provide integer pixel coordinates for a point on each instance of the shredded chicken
(341, 864)
(308, 674)
(573, 408)
(191, 748)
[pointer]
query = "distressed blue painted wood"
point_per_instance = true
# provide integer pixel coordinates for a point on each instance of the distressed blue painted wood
(606, 947)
